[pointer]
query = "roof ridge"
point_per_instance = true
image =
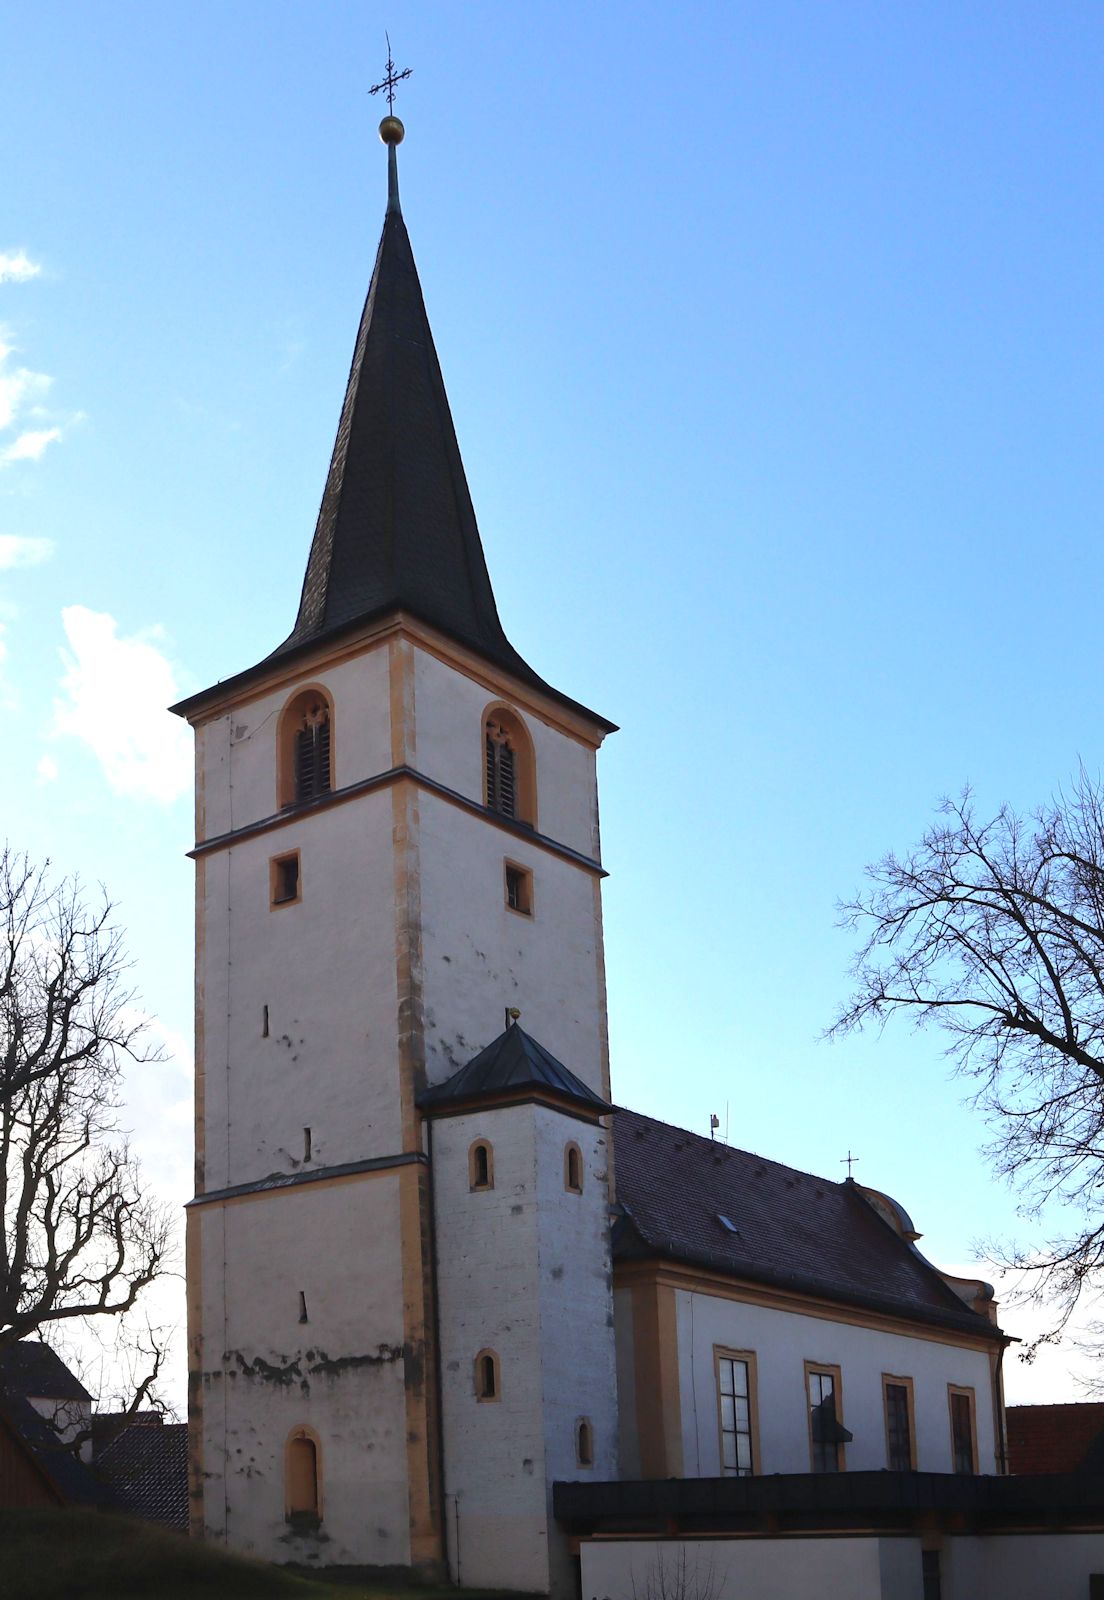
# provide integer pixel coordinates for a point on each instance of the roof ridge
(736, 1149)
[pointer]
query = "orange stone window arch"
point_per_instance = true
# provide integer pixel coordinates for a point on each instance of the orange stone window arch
(303, 1474)
(509, 770)
(304, 748)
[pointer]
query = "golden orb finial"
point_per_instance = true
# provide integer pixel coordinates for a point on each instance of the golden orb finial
(391, 130)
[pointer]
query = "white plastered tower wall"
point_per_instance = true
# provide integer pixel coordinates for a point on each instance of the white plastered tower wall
(525, 1273)
(394, 965)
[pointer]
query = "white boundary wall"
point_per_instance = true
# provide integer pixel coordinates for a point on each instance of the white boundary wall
(1001, 1567)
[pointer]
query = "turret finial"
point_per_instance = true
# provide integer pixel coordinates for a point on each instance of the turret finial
(391, 130)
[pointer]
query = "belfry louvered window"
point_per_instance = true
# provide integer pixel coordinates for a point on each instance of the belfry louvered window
(312, 753)
(502, 773)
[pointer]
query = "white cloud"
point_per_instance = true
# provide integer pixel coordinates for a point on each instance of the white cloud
(16, 551)
(30, 446)
(47, 770)
(114, 693)
(16, 266)
(19, 388)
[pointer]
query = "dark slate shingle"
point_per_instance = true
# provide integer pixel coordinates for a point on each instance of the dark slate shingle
(30, 1367)
(146, 1468)
(513, 1061)
(793, 1230)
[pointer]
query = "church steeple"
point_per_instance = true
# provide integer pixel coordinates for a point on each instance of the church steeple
(397, 530)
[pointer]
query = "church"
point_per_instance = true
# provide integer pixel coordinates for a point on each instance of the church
(451, 1307)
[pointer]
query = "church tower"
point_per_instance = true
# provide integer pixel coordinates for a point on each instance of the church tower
(400, 1315)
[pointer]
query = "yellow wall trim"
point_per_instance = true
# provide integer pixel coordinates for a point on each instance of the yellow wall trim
(291, 670)
(700, 1280)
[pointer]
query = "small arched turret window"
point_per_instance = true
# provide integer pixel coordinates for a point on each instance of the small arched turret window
(305, 749)
(584, 1442)
(303, 1477)
(509, 780)
(481, 1165)
(573, 1169)
(487, 1386)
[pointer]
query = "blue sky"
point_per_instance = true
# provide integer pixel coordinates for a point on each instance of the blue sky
(773, 339)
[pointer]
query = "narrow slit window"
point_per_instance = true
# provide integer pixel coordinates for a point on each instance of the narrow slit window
(264, 1022)
(486, 1375)
(480, 1166)
(285, 879)
(303, 1306)
(573, 1169)
(306, 1144)
(584, 1443)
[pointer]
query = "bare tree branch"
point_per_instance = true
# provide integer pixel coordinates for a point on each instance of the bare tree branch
(79, 1237)
(995, 931)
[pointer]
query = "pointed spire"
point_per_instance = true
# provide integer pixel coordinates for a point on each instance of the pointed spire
(396, 529)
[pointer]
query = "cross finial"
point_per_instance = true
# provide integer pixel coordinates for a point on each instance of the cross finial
(390, 78)
(850, 1161)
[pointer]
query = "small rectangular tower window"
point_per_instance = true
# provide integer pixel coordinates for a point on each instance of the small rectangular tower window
(284, 884)
(519, 889)
(303, 1306)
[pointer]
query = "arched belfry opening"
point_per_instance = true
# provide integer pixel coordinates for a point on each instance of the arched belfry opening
(305, 749)
(510, 786)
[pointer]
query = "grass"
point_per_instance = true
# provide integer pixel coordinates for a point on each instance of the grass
(87, 1555)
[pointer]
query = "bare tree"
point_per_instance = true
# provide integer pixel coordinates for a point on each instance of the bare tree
(677, 1574)
(994, 930)
(80, 1239)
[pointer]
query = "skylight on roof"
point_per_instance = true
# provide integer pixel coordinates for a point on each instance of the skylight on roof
(727, 1223)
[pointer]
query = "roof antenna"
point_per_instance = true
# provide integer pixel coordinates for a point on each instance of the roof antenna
(391, 130)
(714, 1124)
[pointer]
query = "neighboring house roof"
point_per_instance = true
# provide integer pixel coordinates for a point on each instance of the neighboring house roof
(783, 1227)
(32, 1368)
(512, 1067)
(1061, 1438)
(73, 1483)
(146, 1467)
(396, 530)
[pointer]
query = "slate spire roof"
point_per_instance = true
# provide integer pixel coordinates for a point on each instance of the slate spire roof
(510, 1067)
(396, 530)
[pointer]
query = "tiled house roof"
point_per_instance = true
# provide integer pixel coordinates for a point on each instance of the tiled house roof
(146, 1469)
(781, 1227)
(1061, 1438)
(32, 1368)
